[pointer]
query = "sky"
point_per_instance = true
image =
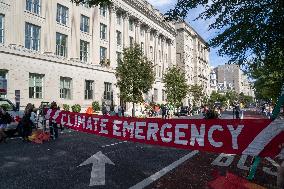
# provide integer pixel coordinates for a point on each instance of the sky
(201, 26)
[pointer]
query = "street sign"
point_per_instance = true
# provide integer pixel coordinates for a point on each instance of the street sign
(3, 86)
(99, 160)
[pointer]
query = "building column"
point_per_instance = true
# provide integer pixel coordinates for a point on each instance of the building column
(75, 33)
(147, 42)
(156, 36)
(16, 38)
(96, 32)
(49, 38)
(137, 31)
(112, 36)
(125, 30)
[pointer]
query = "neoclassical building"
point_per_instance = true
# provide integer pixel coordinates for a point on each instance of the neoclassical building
(53, 50)
(193, 56)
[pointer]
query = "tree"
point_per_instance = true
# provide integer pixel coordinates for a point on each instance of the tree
(216, 97)
(250, 33)
(175, 85)
(196, 92)
(232, 96)
(135, 75)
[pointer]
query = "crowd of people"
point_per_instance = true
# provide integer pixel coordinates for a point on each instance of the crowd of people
(27, 123)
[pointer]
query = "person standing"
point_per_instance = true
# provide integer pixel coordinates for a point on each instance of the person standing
(53, 127)
(26, 122)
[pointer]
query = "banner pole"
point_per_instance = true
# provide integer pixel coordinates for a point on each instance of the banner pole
(275, 113)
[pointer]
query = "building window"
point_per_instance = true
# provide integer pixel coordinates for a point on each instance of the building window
(61, 44)
(164, 95)
(142, 31)
(33, 6)
(3, 74)
(155, 95)
(103, 10)
(108, 91)
(65, 87)
(2, 28)
(166, 58)
(142, 47)
(84, 51)
(131, 41)
(160, 71)
(85, 24)
(89, 89)
(151, 52)
(103, 33)
(118, 18)
(118, 37)
(131, 25)
(103, 53)
(118, 56)
(32, 37)
(62, 14)
(35, 85)
(151, 36)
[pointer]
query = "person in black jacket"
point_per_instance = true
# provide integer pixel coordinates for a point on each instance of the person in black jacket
(26, 122)
(5, 118)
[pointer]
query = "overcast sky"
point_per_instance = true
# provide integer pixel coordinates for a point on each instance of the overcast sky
(201, 26)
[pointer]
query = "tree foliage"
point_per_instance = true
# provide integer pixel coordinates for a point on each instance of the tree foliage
(175, 85)
(135, 75)
(196, 92)
(251, 33)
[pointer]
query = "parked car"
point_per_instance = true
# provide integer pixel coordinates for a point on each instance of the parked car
(16, 114)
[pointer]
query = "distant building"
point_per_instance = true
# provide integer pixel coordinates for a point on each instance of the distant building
(230, 76)
(213, 81)
(193, 56)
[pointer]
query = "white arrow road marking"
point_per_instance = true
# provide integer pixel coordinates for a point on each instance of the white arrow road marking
(164, 171)
(264, 137)
(98, 170)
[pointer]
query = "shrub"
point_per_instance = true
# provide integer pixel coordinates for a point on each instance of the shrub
(76, 108)
(96, 106)
(66, 107)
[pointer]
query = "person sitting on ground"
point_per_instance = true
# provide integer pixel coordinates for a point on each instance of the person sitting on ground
(5, 118)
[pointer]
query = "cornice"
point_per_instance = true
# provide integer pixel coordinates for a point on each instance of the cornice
(147, 10)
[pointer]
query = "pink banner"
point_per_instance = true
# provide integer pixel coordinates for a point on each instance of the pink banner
(256, 137)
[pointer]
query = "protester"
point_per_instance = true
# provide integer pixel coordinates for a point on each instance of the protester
(5, 118)
(26, 123)
(53, 128)
(122, 111)
(104, 109)
(164, 112)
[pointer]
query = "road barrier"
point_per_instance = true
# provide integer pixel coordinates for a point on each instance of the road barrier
(256, 137)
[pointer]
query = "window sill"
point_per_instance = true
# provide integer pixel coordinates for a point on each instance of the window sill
(61, 24)
(34, 14)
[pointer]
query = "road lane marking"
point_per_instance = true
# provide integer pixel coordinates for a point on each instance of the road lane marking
(113, 144)
(164, 171)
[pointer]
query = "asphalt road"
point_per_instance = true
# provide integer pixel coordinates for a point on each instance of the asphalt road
(55, 164)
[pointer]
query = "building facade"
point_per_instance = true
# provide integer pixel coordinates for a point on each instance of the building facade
(56, 51)
(231, 77)
(193, 56)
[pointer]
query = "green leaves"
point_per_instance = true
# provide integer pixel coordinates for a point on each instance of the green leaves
(175, 85)
(251, 34)
(196, 92)
(135, 75)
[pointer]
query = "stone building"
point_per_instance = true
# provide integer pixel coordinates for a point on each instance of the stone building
(193, 56)
(233, 75)
(54, 50)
